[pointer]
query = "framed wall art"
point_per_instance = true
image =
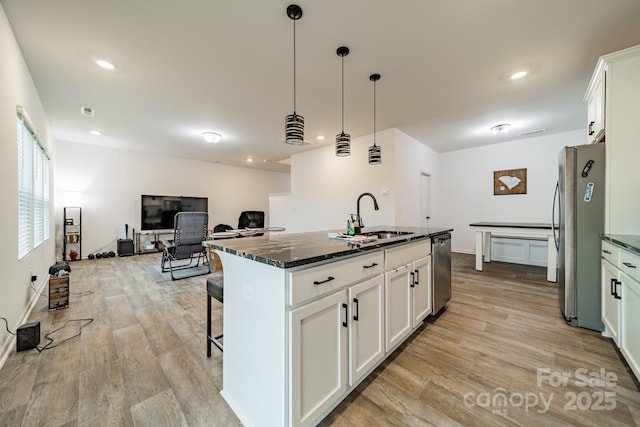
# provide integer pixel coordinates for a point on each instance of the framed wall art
(511, 181)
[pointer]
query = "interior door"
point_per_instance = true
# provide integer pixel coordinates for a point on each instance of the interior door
(425, 199)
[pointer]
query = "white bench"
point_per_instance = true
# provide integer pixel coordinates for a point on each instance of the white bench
(484, 232)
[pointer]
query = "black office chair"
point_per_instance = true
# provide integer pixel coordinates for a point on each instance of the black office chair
(251, 219)
(215, 289)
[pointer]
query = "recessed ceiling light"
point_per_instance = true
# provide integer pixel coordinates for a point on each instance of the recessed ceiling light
(212, 137)
(320, 137)
(95, 132)
(249, 160)
(500, 129)
(105, 64)
(518, 75)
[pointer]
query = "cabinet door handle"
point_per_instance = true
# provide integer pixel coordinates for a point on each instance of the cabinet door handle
(417, 282)
(328, 279)
(373, 264)
(616, 295)
(606, 252)
(591, 131)
(355, 316)
(346, 313)
(628, 264)
(412, 281)
(613, 284)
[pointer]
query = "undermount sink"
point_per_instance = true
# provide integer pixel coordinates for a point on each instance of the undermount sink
(387, 234)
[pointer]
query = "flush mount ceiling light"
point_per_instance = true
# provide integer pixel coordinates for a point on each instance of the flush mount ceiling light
(343, 140)
(105, 64)
(212, 137)
(294, 123)
(518, 75)
(500, 129)
(375, 151)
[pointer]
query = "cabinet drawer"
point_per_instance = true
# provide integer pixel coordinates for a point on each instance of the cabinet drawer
(610, 253)
(316, 281)
(396, 257)
(630, 264)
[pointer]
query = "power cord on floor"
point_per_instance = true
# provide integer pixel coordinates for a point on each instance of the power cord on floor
(81, 294)
(49, 345)
(7, 325)
(36, 291)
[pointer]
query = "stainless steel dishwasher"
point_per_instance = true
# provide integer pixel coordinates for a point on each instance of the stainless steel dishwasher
(441, 257)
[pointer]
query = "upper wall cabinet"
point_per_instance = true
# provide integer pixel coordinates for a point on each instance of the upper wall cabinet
(596, 106)
(617, 77)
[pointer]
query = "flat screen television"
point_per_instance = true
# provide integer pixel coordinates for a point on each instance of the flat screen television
(158, 212)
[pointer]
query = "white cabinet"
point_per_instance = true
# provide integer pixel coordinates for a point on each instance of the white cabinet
(616, 76)
(595, 107)
(630, 327)
(335, 341)
(318, 357)
(621, 301)
(611, 301)
(398, 306)
(366, 327)
(408, 291)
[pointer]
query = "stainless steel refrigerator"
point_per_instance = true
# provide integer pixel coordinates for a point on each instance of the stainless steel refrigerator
(580, 219)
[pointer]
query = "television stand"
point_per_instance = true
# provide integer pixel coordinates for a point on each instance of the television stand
(147, 241)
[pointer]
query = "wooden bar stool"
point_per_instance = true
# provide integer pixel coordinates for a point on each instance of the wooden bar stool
(214, 290)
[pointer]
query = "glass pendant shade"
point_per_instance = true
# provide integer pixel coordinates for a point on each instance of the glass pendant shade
(375, 155)
(294, 129)
(343, 144)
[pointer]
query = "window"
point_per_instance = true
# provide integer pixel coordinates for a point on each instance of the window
(33, 187)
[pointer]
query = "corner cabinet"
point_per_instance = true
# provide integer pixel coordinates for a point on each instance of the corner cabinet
(596, 106)
(621, 301)
(72, 240)
(613, 100)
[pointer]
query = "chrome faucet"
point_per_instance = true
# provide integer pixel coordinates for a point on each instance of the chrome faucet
(375, 206)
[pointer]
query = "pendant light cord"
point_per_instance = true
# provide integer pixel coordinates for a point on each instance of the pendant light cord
(374, 112)
(294, 67)
(343, 94)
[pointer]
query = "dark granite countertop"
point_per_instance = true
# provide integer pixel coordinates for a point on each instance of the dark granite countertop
(626, 241)
(296, 249)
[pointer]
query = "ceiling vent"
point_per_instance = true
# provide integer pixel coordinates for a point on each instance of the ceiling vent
(531, 132)
(87, 111)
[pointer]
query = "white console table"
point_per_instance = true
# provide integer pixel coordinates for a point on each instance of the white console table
(515, 229)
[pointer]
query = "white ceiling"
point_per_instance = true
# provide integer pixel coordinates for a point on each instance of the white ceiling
(184, 67)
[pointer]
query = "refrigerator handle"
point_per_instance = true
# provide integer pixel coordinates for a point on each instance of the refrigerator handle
(556, 239)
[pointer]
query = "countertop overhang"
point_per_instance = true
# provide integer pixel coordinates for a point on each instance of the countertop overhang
(297, 249)
(627, 241)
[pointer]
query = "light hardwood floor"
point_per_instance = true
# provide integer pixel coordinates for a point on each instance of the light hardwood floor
(142, 361)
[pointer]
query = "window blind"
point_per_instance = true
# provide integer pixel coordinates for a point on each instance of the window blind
(33, 187)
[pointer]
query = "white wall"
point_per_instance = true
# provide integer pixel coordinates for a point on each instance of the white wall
(412, 159)
(17, 88)
(110, 182)
(466, 183)
(325, 188)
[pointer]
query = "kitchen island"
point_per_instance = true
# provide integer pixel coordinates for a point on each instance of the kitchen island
(307, 318)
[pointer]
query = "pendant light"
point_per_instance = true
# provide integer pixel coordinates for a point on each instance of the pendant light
(294, 123)
(375, 151)
(343, 140)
